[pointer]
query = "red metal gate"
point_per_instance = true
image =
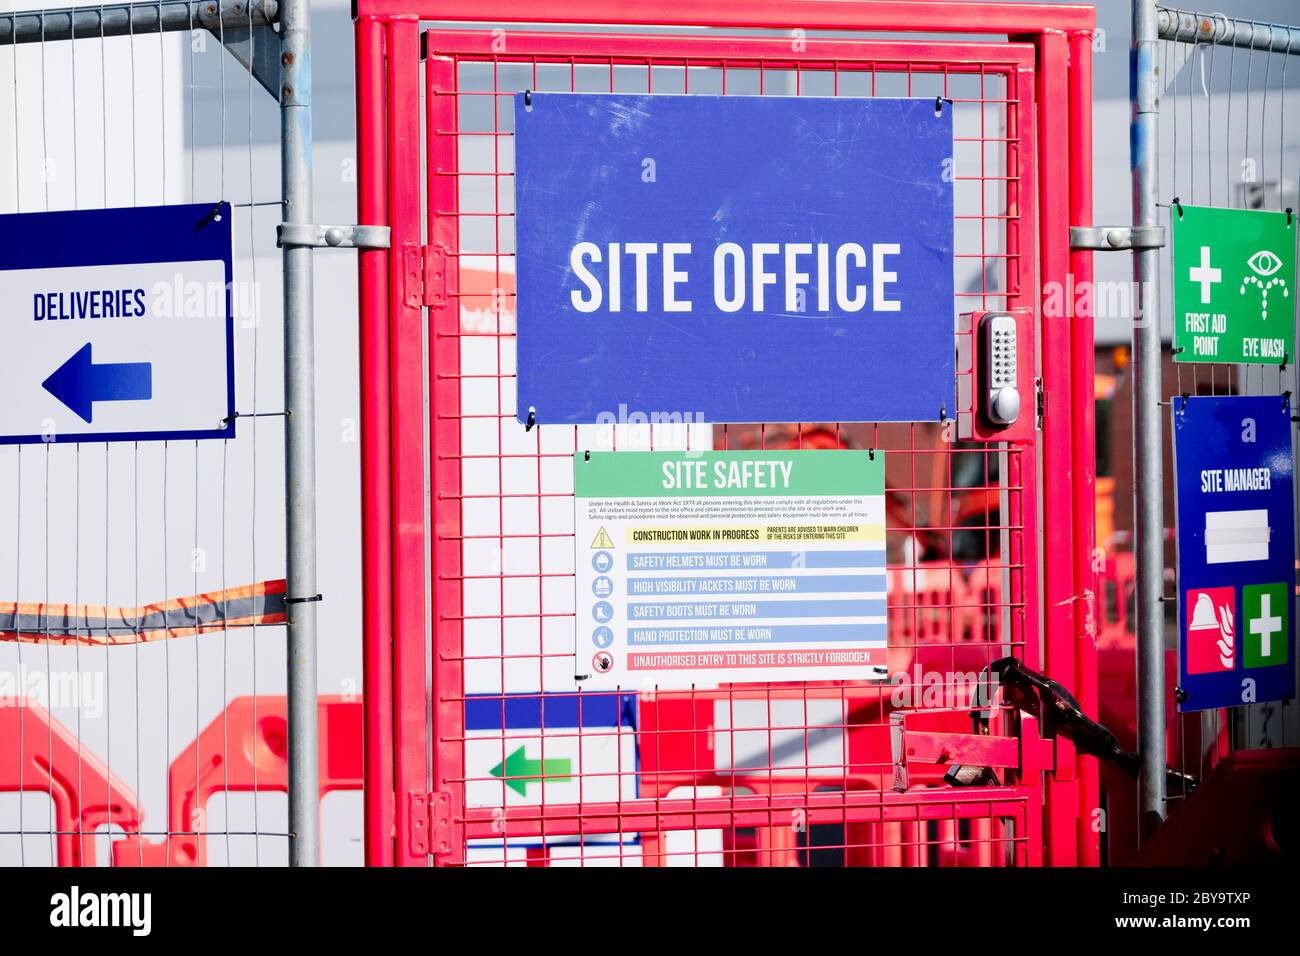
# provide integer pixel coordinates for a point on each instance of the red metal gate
(469, 615)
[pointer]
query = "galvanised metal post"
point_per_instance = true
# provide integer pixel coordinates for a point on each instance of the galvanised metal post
(1148, 482)
(300, 433)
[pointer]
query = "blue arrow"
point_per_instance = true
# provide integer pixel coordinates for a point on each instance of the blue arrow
(79, 383)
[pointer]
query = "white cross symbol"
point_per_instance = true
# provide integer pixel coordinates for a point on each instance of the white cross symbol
(1205, 275)
(1265, 625)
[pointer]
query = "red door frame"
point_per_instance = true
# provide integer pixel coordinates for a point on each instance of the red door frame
(401, 826)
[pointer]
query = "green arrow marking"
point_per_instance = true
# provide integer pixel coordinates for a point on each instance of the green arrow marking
(519, 770)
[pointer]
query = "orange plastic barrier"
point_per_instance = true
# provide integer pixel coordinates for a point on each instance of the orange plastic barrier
(244, 749)
(41, 755)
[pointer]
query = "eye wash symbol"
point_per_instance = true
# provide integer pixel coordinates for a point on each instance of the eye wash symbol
(1264, 264)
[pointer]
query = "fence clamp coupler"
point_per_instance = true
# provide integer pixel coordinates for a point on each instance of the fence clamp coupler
(332, 237)
(1116, 238)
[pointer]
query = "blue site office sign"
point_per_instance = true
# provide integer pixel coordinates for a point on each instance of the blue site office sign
(1236, 550)
(734, 259)
(117, 324)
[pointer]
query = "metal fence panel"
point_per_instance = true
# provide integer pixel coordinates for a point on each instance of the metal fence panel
(1227, 117)
(123, 743)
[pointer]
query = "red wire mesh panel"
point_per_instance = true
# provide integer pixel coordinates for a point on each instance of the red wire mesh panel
(530, 772)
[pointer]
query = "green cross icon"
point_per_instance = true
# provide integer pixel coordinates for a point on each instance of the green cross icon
(1266, 625)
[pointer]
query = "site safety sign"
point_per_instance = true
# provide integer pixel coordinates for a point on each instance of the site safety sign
(118, 323)
(1236, 550)
(1234, 285)
(700, 567)
(733, 259)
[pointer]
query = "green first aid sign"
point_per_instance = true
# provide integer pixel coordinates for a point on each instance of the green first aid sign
(1266, 624)
(1234, 286)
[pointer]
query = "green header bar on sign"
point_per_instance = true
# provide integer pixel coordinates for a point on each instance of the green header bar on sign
(690, 474)
(1234, 285)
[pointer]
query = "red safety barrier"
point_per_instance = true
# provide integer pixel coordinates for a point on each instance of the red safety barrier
(244, 749)
(1243, 815)
(41, 755)
(1116, 582)
(1194, 742)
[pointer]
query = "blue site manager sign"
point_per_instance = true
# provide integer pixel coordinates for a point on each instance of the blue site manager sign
(1236, 550)
(119, 324)
(734, 259)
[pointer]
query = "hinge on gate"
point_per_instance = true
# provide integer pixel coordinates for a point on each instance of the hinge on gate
(440, 823)
(428, 826)
(417, 822)
(425, 271)
(1040, 403)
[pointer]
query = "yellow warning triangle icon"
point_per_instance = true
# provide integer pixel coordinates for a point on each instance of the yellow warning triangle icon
(602, 540)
